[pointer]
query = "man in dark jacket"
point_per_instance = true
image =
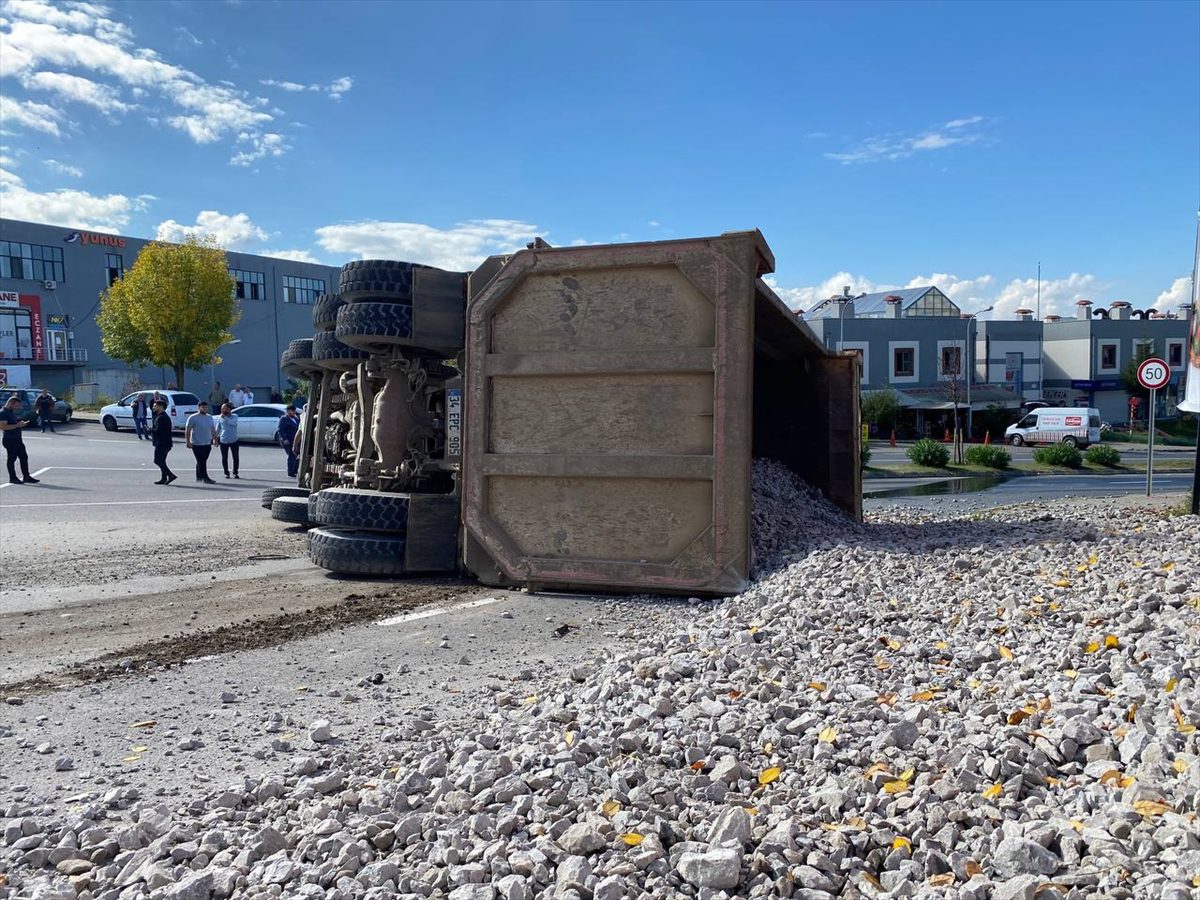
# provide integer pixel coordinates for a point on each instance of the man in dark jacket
(11, 424)
(289, 423)
(44, 404)
(160, 436)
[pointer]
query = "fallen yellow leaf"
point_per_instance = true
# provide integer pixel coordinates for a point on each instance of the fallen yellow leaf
(766, 776)
(1092, 647)
(874, 882)
(131, 759)
(878, 768)
(1131, 713)
(946, 879)
(817, 685)
(901, 843)
(895, 787)
(610, 808)
(751, 810)
(1170, 685)
(1005, 652)
(1150, 808)
(941, 645)
(1054, 606)
(1071, 673)
(149, 723)
(1061, 582)
(698, 765)
(753, 629)
(569, 739)
(857, 822)
(923, 696)
(736, 695)
(1115, 777)
(908, 774)
(994, 791)
(1179, 766)
(631, 839)
(828, 735)
(138, 749)
(1017, 716)
(892, 643)
(972, 868)
(1093, 559)
(769, 747)
(1185, 727)
(1077, 824)
(1111, 641)
(1168, 566)
(532, 698)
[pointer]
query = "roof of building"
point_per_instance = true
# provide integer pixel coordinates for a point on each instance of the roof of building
(869, 305)
(942, 396)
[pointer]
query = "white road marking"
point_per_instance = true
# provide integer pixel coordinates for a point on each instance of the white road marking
(142, 469)
(104, 441)
(439, 611)
(35, 475)
(129, 502)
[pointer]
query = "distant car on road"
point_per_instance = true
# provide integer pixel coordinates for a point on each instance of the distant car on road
(62, 409)
(258, 421)
(180, 405)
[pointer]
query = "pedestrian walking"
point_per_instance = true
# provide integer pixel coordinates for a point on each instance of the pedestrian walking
(237, 397)
(227, 436)
(199, 435)
(162, 440)
(44, 404)
(11, 424)
(139, 418)
(289, 426)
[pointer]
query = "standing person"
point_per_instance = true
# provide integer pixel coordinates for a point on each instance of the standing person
(44, 404)
(199, 435)
(139, 417)
(248, 395)
(11, 424)
(162, 440)
(289, 425)
(275, 397)
(227, 436)
(217, 397)
(237, 397)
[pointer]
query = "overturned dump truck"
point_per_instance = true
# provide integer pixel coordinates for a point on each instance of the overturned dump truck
(579, 418)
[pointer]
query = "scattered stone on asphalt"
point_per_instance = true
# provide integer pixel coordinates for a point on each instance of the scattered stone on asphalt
(991, 706)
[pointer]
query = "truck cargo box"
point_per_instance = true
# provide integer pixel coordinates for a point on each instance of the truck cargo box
(615, 398)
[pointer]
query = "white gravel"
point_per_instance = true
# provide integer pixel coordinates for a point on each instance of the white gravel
(1000, 706)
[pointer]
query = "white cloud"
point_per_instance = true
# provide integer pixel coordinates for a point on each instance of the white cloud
(63, 169)
(82, 36)
(900, 146)
(459, 248)
(971, 294)
(1179, 292)
(283, 85)
(69, 208)
(258, 146)
(188, 37)
(81, 90)
(231, 232)
(334, 89)
(340, 86)
(653, 223)
(293, 255)
(29, 114)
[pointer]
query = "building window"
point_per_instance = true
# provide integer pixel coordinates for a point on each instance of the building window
(933, 303)
(1108, 356)
(115, 265)
(34, 262)
(1143, 348)
(16, 333)
(301, 290)
(951, 360)
(250, 285)
(1175, 355)
(904, 363)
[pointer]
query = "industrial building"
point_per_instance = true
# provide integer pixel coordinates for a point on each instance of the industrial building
(51, 279)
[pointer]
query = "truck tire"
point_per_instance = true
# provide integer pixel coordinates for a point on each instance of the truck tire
(325, 311)
(290, 509)
(271, 494)
(377, 279)
(340, 507)
(356, 552)
(369, 325)
(296, 361)
(330, 353)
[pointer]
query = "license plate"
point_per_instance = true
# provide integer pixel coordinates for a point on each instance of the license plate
(454, 423)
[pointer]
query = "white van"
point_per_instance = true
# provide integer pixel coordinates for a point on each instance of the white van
(1077, 426)
(180, 405)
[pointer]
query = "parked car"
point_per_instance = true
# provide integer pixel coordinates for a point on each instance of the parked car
(180, 405)
(258, 421)
(62, 409)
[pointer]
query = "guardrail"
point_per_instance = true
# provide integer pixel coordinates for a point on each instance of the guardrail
(46, 355)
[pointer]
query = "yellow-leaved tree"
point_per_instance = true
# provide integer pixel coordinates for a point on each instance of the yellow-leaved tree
(174, 308)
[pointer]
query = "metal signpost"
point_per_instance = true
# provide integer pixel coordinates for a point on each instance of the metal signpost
(1152, 374)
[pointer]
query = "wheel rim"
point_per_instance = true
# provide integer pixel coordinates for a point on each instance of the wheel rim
(110, 424)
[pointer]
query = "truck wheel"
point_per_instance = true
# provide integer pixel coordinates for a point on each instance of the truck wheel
(1070, 441)
(340, 507)
(290, 509)
(356, 553)
(370, 325)
(330, 353)
(296, 361)
(377, 279)
(325, 311)
(1015, 440)
(270, 495)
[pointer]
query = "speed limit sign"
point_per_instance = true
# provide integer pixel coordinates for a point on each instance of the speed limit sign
(1153, 373)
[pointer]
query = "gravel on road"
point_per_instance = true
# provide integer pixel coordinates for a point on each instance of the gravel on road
(998, 705)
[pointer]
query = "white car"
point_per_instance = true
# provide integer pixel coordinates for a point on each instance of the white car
(180, 405)
(258, 421)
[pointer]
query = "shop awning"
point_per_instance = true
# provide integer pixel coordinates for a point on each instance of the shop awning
(941, 397)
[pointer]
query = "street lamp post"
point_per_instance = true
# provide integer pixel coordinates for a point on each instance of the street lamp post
(969, 368)
(212, 367)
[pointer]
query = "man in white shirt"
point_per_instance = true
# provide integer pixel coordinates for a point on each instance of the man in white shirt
(248, 395)
(237, 397)
(200, 434)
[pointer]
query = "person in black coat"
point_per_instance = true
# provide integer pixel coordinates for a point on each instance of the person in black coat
(160, 436)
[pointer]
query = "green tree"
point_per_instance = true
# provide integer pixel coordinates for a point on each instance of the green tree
(174, 308)
(1129, 379)
(880, 408)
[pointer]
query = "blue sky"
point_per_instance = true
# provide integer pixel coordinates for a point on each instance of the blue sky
(876, 145)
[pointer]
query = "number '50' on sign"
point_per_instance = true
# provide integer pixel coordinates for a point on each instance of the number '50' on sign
(1153, 373)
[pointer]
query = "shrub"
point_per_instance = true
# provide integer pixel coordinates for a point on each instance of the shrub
(928, 452)
(992, 457)
(1103, 455)
(865, 455)
(1059, 455)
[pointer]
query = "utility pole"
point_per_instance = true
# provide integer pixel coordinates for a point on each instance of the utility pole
(1039, 291)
